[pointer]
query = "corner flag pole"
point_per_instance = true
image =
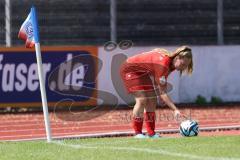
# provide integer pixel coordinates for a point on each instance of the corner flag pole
(40, 75)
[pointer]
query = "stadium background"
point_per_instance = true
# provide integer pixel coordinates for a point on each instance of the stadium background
(87, 26)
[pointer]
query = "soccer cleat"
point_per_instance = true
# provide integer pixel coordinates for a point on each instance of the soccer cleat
(140, 136)
(155, 136)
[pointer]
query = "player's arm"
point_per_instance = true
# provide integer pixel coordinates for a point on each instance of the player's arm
(164, 96)
(170, 104)
(167, 100)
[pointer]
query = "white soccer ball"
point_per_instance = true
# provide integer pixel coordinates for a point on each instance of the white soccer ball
(189, 128)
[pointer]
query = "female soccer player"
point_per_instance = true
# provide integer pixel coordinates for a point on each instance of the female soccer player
(145, 77)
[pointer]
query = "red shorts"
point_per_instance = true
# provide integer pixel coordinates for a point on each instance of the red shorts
(136, 78)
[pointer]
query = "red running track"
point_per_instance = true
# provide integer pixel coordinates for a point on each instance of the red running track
(24, 126)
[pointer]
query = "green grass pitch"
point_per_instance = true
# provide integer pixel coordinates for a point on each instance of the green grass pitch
(199, 148)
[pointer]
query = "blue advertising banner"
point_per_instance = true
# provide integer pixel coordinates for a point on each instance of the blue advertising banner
(70, 73)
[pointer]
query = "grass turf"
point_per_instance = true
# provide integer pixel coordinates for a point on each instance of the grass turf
(207, 148)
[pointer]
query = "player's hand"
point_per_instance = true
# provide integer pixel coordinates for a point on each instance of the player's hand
(178, 115)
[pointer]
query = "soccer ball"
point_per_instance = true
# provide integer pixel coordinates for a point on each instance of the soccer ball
(189, 128)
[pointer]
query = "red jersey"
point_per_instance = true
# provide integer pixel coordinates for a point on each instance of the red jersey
(156, 63)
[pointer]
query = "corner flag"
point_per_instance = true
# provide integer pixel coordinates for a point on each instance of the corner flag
(27, 29)
(29, 33)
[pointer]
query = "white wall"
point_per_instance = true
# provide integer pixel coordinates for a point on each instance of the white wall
(215, 73)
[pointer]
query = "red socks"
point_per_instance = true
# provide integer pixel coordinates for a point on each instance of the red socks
(150, 122)
(137, 124)
(149, 118)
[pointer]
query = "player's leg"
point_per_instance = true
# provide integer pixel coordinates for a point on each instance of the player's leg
(138, 115)
(150, 115)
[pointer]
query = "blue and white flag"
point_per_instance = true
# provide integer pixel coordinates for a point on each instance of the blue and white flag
(29, 30)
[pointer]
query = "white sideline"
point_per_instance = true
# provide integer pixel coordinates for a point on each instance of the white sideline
(153, 151)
